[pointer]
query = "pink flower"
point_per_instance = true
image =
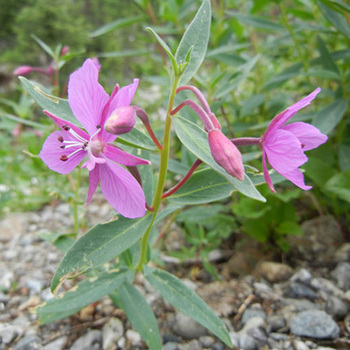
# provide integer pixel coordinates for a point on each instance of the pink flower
(284, 145)
(121, 121)
(64, 150)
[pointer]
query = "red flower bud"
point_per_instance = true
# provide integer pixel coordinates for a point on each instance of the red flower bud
(226, 154)
(121, 121)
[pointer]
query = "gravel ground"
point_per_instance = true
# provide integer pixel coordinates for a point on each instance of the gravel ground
(298, 305)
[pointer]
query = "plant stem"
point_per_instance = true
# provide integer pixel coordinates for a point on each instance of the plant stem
(164, 157)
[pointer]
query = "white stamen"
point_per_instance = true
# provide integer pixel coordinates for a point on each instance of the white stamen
(77, 136)
(76, 151)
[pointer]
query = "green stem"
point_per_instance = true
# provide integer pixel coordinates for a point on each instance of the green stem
(164, 158)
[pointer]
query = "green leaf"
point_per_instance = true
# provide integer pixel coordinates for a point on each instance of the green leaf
(289, 228)
(326, 58)
(195, 140)
(187, 301)
(339, 185)
(83, 294)
(23, 121)
(136, 138)
(329, 117)
(203, 186)
(140, 315)
(124, 53)
(55, 105)
(337, 19)
(61, 241)
(119, 23)
(344, 157)
(196, 35)
(166, 49)
(255, 22)
(45, 47)
(99, 245)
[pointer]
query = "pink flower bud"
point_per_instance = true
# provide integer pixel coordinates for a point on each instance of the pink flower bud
(65, 50)
(121, 121)
(226, 154)
(22, 70)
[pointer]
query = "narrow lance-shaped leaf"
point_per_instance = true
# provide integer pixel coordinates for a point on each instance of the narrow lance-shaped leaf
(166, 49)
(45, 47)
(83, 294)
(140, 315)
(119, 23)
(196, 35)
(187, 301)
(55, 105)
(99, 245)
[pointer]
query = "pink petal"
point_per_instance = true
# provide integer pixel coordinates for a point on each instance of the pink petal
(86, 96)
(124, 96)
(266, 174)
(297, 177)
(122, 157)
(94, 178)
(61, 122)
(309, 136)
(290, 112)
(283, 151)
(122, 191)
(52, 151)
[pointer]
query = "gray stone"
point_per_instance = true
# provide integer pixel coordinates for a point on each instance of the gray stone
(247, 342)
(341, 275)
(192, 345)
(302, 275)
(57, 344)
(342, 253)
(275, 322)
(322, 236)
(300, 290)
(314, 324)
(112, 331)
(274, 272)
(218, 346)
(336, 307)
(207, 341)
(250, 313)
(300, 304)
(133, 337)
(4, 298)
(8, 333)
(171, 346)
(187, 328)
(28, 342)
(326, 286)
(88, 340)
(300, 345)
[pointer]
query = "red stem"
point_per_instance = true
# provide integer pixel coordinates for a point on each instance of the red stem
(198, 94)
(184, 180)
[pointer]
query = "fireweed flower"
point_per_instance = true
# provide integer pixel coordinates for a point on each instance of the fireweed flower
(283, 145)
(63, 150)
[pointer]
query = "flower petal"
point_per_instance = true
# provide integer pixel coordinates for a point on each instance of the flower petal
(86, 96)
(309, 136)
(290, 112)
(284, 151)
(61, 122)
(123, 97)
(52, 151)
(266, 174)
(297, 177)
(122, 157)
(122, 191)
(94, 178)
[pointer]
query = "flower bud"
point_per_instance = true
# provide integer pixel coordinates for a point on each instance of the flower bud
(226, 154)
(65, 50)
(121, 121)
(22, 70)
